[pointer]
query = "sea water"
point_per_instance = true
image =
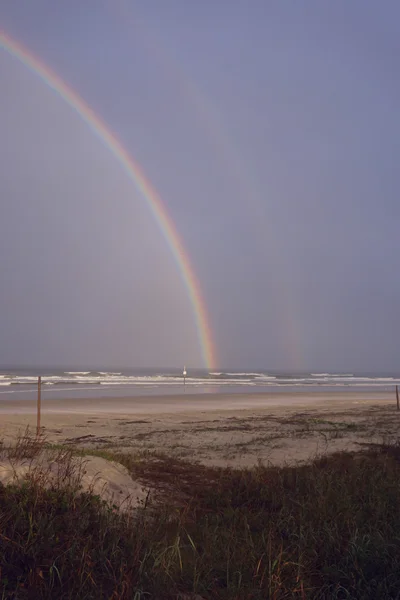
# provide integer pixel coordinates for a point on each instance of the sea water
(70, 383)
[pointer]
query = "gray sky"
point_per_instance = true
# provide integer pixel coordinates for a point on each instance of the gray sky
(270, 130)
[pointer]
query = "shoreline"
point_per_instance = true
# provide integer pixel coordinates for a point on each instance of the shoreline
(196, 402)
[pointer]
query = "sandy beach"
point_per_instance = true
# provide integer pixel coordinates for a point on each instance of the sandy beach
(234, 430)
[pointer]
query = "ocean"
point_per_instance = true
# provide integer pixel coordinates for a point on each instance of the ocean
(22, 383)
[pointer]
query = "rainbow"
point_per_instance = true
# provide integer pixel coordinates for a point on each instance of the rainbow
(135, 172)
(233, 163)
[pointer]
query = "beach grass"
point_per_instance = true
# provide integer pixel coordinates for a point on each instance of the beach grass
(329, 529)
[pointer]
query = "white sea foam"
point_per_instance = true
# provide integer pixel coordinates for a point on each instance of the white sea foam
(319, 374)
(332, 375)
(77, 372)
(244, 374)
(24, 380)
(108, 373)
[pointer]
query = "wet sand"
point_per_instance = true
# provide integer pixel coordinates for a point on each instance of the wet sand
(191, 402)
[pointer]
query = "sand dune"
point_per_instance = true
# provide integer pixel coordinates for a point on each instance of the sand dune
(109, 480)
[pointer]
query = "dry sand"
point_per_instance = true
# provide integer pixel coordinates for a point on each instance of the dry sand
(234, 430)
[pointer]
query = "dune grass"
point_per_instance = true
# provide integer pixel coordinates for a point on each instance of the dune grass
(330, 529)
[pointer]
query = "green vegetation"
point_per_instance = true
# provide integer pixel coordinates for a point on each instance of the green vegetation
(326, 530)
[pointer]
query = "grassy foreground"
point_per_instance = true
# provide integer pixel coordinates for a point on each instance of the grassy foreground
(327, 530)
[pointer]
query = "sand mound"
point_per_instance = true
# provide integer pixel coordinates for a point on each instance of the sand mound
(109, 480)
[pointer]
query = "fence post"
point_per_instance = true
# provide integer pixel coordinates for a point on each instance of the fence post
(397, 398)
(39, 401)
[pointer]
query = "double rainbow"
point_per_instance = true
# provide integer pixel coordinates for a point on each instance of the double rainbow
(135, 172)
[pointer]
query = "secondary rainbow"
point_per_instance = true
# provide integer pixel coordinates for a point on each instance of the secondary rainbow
(135, 172)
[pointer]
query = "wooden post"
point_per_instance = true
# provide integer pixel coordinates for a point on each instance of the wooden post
(397, 398)
(39, 401)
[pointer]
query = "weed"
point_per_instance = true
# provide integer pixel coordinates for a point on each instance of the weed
(325, 530)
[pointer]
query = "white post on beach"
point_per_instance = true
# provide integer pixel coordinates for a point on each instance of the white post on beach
(184, 376)
(39, 400)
